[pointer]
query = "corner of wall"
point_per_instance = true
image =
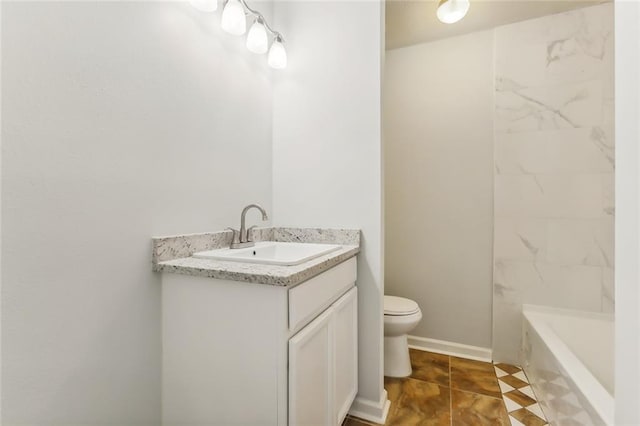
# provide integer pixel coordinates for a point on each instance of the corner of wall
(627, 275)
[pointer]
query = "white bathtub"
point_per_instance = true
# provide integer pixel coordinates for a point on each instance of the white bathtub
(568, 358)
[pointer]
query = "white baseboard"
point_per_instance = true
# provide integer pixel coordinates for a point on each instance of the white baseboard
(373, 411)
(450, 348)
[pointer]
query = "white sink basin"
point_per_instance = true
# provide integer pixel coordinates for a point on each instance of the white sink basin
(271, 253)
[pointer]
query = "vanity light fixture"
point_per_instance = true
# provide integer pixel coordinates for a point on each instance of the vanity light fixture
(234, 21)
(277, 55)
(257, 41)
(450, 11)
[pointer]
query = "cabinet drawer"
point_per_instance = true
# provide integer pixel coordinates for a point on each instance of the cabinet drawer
(310, 298)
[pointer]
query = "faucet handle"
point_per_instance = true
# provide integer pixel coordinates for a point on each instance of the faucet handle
(236, 235)
(250, 233)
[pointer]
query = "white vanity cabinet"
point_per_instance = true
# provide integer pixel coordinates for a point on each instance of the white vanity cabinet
(323, 365)
(256, 354)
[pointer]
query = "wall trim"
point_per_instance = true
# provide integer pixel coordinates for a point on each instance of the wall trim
(450, 348)
(373, 411)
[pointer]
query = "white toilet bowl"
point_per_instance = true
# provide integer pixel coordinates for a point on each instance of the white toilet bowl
(400, 317)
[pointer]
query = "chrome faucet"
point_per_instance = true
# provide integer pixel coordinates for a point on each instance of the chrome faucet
(243, 238)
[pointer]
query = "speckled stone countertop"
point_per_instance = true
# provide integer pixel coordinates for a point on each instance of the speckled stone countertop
(173, 254)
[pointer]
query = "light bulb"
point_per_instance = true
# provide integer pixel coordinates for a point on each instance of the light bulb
(450, 11)
(205, 5)
(233, 18)
(257, 41)
(277, 55)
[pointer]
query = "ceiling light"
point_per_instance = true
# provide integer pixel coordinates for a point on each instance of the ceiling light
(450, 11)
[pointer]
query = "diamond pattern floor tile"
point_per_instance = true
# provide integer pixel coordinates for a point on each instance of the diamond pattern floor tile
(519, 398)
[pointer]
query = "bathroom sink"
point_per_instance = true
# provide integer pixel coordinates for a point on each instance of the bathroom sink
(271, 253)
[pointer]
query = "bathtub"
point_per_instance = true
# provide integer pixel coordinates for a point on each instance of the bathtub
(568, 358)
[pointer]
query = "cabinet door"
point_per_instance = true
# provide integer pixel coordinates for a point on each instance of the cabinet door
(345, 326)
(311, 373)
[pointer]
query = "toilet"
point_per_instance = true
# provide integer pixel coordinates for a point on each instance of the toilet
(400, 317)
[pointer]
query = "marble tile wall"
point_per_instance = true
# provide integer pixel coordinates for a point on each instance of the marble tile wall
(554, 168)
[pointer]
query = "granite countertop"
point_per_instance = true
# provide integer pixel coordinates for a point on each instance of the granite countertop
(173, 255)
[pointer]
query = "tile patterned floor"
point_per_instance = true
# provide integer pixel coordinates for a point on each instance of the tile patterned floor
(451, 391)
(518, 396)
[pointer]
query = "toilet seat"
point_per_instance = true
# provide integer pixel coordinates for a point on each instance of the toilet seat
(399, 306)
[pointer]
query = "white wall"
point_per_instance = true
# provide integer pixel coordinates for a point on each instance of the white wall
(0, 218)
(627, 377)
(327, 145)
(120, 121)
(439, 184)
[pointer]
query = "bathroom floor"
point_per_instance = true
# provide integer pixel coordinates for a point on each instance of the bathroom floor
(447, 390)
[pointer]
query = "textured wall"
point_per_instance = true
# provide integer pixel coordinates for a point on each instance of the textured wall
(554, 168)
(120, 121)
(438, 126)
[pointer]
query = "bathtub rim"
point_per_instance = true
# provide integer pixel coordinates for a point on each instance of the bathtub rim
(599, 398)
